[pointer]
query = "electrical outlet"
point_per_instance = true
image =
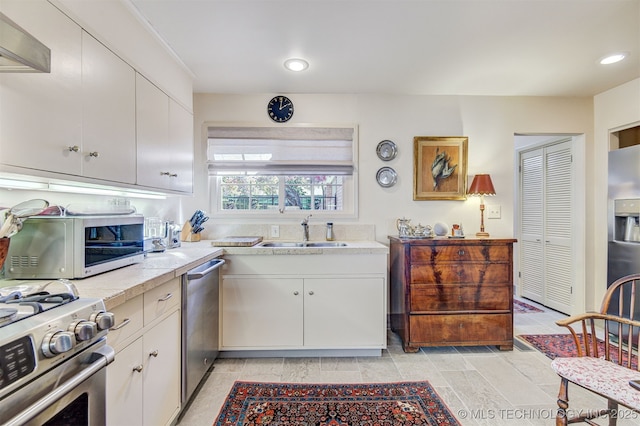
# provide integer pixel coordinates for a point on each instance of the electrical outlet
(275, 231)
(493, 212)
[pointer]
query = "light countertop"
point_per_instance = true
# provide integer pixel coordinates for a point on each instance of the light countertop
(118, 286)
(352, 247)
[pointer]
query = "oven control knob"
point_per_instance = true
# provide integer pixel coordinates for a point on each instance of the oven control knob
(104, 320)
(84, 330)
(57, 342)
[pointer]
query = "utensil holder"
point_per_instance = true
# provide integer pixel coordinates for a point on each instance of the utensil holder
(186, 234)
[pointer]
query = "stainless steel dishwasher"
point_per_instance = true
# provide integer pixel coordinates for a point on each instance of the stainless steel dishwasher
(200, 298)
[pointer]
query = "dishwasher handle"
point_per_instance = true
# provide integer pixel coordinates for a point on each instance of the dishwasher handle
(201, 274)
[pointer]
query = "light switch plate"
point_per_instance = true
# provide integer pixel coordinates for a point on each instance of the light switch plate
(493, 212)
(275, 231)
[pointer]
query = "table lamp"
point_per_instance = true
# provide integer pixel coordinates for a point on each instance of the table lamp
(481, 186)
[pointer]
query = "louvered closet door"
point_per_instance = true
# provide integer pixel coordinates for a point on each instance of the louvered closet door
(531, 225)
(546, 226)
(557, 229)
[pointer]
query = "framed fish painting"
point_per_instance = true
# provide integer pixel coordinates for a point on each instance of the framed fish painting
(440, 168)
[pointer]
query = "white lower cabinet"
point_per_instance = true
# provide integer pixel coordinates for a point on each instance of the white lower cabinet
(262, 312)
(305, 311)
(143, 383)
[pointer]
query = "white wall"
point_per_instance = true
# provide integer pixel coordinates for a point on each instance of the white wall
(614, 109)
(489, 122)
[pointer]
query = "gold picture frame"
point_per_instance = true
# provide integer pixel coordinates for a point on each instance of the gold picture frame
(440, 168)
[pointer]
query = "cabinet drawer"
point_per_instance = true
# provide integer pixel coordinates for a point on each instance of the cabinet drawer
(479, 329)
(128, 321)
(161, 300)
(449, 272)
(460, 297)
(475, 253)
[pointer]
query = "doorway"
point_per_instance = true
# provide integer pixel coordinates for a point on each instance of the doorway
(550, 221)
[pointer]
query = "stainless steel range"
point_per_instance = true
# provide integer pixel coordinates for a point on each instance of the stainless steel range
(53, 355)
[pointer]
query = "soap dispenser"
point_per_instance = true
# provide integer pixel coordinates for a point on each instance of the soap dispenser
(330, 236)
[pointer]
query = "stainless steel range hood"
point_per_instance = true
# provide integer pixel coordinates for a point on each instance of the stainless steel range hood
(20, 51)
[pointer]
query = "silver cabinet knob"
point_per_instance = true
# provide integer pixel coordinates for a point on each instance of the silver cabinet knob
(84, 330)
(295, 293)
(104, 320)
(57, 342)
(74, 148)
(94, 154)
(154, 353)
(137, 368)
(311, 293)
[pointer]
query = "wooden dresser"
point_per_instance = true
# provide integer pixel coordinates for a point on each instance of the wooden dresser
(452, 292)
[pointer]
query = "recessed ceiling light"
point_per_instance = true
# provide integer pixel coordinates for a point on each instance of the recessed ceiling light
(612, 59)
(295, 64)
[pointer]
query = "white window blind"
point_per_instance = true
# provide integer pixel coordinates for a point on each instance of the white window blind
(281, 151)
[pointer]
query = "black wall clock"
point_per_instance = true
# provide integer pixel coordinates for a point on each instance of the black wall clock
(280, 109)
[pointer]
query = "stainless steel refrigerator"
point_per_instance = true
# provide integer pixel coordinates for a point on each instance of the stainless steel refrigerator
(623, 256)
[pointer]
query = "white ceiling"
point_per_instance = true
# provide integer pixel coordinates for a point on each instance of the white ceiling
(434, 47)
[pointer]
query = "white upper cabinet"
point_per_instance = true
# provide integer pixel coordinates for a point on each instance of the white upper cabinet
(181, 147)
(41, 114)
(164, 140)
(108, 114)
(93, 118)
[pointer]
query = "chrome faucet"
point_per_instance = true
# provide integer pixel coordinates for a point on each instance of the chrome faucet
(305, 228)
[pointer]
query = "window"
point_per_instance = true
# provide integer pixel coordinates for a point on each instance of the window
(261, 171)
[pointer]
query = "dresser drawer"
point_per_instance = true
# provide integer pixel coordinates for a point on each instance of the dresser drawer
(454, 273)
(161, 300)
(428, 297)
(454, 253)
(481, 329)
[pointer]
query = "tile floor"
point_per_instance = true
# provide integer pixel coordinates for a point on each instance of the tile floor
(481, 385)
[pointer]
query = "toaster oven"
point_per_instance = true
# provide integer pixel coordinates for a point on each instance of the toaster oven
(51, 247)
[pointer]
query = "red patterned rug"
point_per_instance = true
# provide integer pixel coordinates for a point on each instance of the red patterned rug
(562, 345)
(365, 404)
(524, 308)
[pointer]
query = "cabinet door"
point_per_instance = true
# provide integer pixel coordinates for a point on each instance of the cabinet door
(42, 112)
(109, 116)
(152, 134)
(262, 312)
(344, 312)
(180, 148)
(124, 387)
(161, 388)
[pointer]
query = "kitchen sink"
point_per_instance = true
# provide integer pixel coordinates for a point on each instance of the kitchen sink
(318, 244)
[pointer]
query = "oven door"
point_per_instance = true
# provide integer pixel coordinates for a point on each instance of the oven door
(74, 393)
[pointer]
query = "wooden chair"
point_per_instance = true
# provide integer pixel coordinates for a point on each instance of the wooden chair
(608, 369)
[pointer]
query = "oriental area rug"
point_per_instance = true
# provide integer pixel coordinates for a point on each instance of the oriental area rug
(307, 404)
(524, 308)
(562, 345)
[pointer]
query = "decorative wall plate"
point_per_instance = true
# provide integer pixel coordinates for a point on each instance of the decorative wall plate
(386, 150)
(386, 177)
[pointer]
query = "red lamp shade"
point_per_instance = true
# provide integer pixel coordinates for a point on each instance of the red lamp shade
(481, 185)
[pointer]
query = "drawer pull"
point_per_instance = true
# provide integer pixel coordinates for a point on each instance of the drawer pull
(154, 353)
(311, 293)
(165, 298)
(295, 293)
(460, 252)
(124, 322)
(138, 368)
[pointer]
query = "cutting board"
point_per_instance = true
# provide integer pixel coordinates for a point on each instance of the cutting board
(236, 241)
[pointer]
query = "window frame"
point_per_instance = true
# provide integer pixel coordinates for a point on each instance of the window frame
(350, 187)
